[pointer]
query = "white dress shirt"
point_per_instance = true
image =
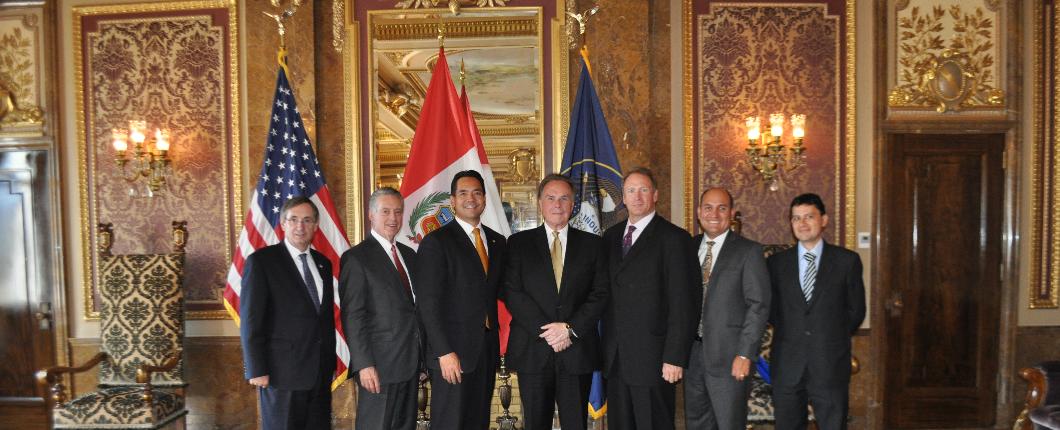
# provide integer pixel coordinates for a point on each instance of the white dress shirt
(715, 249)
(640, 225)
(386, 247)
(468, 230)
(562, 239)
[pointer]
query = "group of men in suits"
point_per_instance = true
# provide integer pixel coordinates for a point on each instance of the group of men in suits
(646, 303)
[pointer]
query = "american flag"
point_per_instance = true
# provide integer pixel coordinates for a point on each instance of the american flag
(290, 169)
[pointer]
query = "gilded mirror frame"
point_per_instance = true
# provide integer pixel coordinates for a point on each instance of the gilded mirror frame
(553, 37)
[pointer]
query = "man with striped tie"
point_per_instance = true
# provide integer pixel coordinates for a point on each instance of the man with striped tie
(818, 303)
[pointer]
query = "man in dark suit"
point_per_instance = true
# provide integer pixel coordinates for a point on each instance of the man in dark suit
(287, 326)
(650, 322)
(379, 316)
(556, 289)
(458, 273)
(818, 304)
(735, 310)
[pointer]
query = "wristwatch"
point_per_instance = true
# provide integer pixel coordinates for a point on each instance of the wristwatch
(570, 332)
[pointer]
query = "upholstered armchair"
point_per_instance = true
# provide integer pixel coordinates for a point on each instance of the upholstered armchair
(141, 377)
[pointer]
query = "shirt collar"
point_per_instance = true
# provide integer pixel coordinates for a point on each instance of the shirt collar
(640, 225)
(294, 251)
(717, 240)
(382, 240)
(816, 249)
(468, 227)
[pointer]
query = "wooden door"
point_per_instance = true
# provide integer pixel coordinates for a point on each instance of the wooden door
(27, 334)
(941, 215)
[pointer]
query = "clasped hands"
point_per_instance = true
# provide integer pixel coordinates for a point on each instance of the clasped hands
(557, 335)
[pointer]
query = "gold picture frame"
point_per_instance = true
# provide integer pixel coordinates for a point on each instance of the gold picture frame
(1045, 161)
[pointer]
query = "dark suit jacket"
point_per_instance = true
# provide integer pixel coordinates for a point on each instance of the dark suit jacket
(654, 306)
(283, 336)
(815, 336)
(532, 298)
(378, 314)
(736, 305)
(455, 295)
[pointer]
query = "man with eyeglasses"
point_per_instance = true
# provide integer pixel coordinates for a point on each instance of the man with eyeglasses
(287, 325)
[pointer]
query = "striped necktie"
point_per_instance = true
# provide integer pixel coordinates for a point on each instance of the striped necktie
(810, 276)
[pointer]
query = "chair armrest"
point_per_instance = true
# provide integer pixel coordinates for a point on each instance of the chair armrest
(50, 378)
(143, 374)
(1035, 394)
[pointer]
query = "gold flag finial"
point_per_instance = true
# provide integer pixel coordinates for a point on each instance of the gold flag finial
(281, 17)
(583, 19)
(462, 73)
(441, 33)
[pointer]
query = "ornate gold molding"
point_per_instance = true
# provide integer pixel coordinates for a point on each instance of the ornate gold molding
(338, 24)
(946, 59)
(508, 27)
(21, 74)
(1045, 162)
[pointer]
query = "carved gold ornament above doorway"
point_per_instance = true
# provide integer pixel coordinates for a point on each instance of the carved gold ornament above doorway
(945, 56)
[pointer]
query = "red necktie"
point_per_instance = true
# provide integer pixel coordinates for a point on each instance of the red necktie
(401, 270)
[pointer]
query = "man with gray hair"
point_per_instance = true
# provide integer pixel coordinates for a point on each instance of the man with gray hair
(379, 318)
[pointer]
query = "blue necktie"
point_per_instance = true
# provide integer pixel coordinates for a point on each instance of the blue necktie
(307, 276)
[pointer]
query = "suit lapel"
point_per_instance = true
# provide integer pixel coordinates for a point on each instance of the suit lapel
(724, 258)
(294, 273)
(544, 250)
(382, 258)
(640, 243)
(818, 282)
(796, 278)
(465, 242)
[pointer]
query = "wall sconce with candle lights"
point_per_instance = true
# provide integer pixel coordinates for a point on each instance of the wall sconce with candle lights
(766, 153)
(149, 158)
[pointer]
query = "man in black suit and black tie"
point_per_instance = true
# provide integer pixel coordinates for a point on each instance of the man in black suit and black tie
(458, 273)
(287, 325)
(818, 304)
(735, 311)
(556, 289)
(379, 316)
(650, 322)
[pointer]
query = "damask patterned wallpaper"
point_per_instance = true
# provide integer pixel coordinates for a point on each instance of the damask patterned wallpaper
(752, 60)
(172, 68)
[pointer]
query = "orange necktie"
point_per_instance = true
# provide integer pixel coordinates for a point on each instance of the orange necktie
(481, 249)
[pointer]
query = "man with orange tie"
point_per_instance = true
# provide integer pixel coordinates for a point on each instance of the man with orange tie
(458, 274)
(379, 317)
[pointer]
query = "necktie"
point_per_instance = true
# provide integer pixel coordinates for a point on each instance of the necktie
(307, 276)
(481, 249)
(401, 270)
(708, 263)
(557, 258)
(810, 276)
(627, 240)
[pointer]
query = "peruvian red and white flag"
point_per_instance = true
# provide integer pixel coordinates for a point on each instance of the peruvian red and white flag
(447, 141)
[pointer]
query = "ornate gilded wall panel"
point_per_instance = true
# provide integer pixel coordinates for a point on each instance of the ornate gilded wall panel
(175, 65)
(753, 59)
(945, 56)
(1045, 162)
(22, 100)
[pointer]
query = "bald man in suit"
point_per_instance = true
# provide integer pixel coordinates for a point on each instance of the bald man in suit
(736, 298)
